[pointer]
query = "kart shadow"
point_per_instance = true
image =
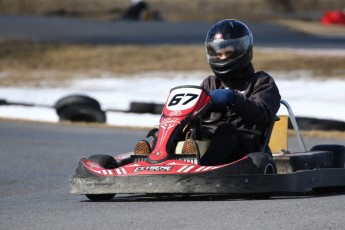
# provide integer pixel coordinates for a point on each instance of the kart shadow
(218, 197)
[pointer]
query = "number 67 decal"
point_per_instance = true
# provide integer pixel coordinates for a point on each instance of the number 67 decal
(187, 97)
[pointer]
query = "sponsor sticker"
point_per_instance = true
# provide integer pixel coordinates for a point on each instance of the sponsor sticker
(153, 169)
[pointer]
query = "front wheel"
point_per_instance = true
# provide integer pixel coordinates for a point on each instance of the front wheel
(100, 197)
(107, 162)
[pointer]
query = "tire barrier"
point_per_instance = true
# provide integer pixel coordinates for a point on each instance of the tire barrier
(308, 123)
(144, 107)
(304, 123)
(3, 102)
(78, 113)
(80, 100)
(79, 108)
(141, 107)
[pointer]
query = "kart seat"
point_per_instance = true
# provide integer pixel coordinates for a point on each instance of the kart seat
(275, 139)
(267, 136)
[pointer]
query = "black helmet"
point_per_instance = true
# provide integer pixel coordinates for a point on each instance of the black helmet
(234, 41)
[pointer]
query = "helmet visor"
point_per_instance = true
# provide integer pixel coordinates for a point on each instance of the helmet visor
(225, 51)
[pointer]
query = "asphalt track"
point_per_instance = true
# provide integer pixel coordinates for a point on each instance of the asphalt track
(72, 30)
(37, 160)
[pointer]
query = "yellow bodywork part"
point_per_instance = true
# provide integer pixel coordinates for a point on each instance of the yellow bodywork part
(279, 137)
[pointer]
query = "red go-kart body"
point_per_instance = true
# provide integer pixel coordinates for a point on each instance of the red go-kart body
(166, 170)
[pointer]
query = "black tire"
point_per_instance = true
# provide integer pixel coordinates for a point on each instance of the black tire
(142, 107)
(308, 123)
(100, 197)
(107, 162)
(338, 151)
(158, 108)
(76, 100)
(3, 102)
(339, 162)
(264, 162)
(79, 113)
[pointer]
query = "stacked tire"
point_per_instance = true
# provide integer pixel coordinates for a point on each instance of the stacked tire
(144, 107)
(79, 108)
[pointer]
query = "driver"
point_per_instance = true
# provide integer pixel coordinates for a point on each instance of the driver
(250, 99)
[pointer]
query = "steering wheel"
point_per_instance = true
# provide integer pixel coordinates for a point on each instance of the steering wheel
(213, 115)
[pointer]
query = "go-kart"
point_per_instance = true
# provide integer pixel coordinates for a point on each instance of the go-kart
(169, 168)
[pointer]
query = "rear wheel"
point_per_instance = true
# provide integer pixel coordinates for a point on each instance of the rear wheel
(338, 162)
(264, 162)
(107, 162)
(338, 153)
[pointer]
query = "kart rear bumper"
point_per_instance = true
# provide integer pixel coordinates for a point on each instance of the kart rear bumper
(210, 183)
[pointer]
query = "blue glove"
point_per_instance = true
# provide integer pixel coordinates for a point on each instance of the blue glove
(222, 97)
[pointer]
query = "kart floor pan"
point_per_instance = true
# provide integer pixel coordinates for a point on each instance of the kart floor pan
(210, 183)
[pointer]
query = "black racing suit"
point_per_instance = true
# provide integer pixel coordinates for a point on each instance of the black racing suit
(256, 102)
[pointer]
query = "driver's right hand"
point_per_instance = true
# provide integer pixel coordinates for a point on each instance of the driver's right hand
(222, 97)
